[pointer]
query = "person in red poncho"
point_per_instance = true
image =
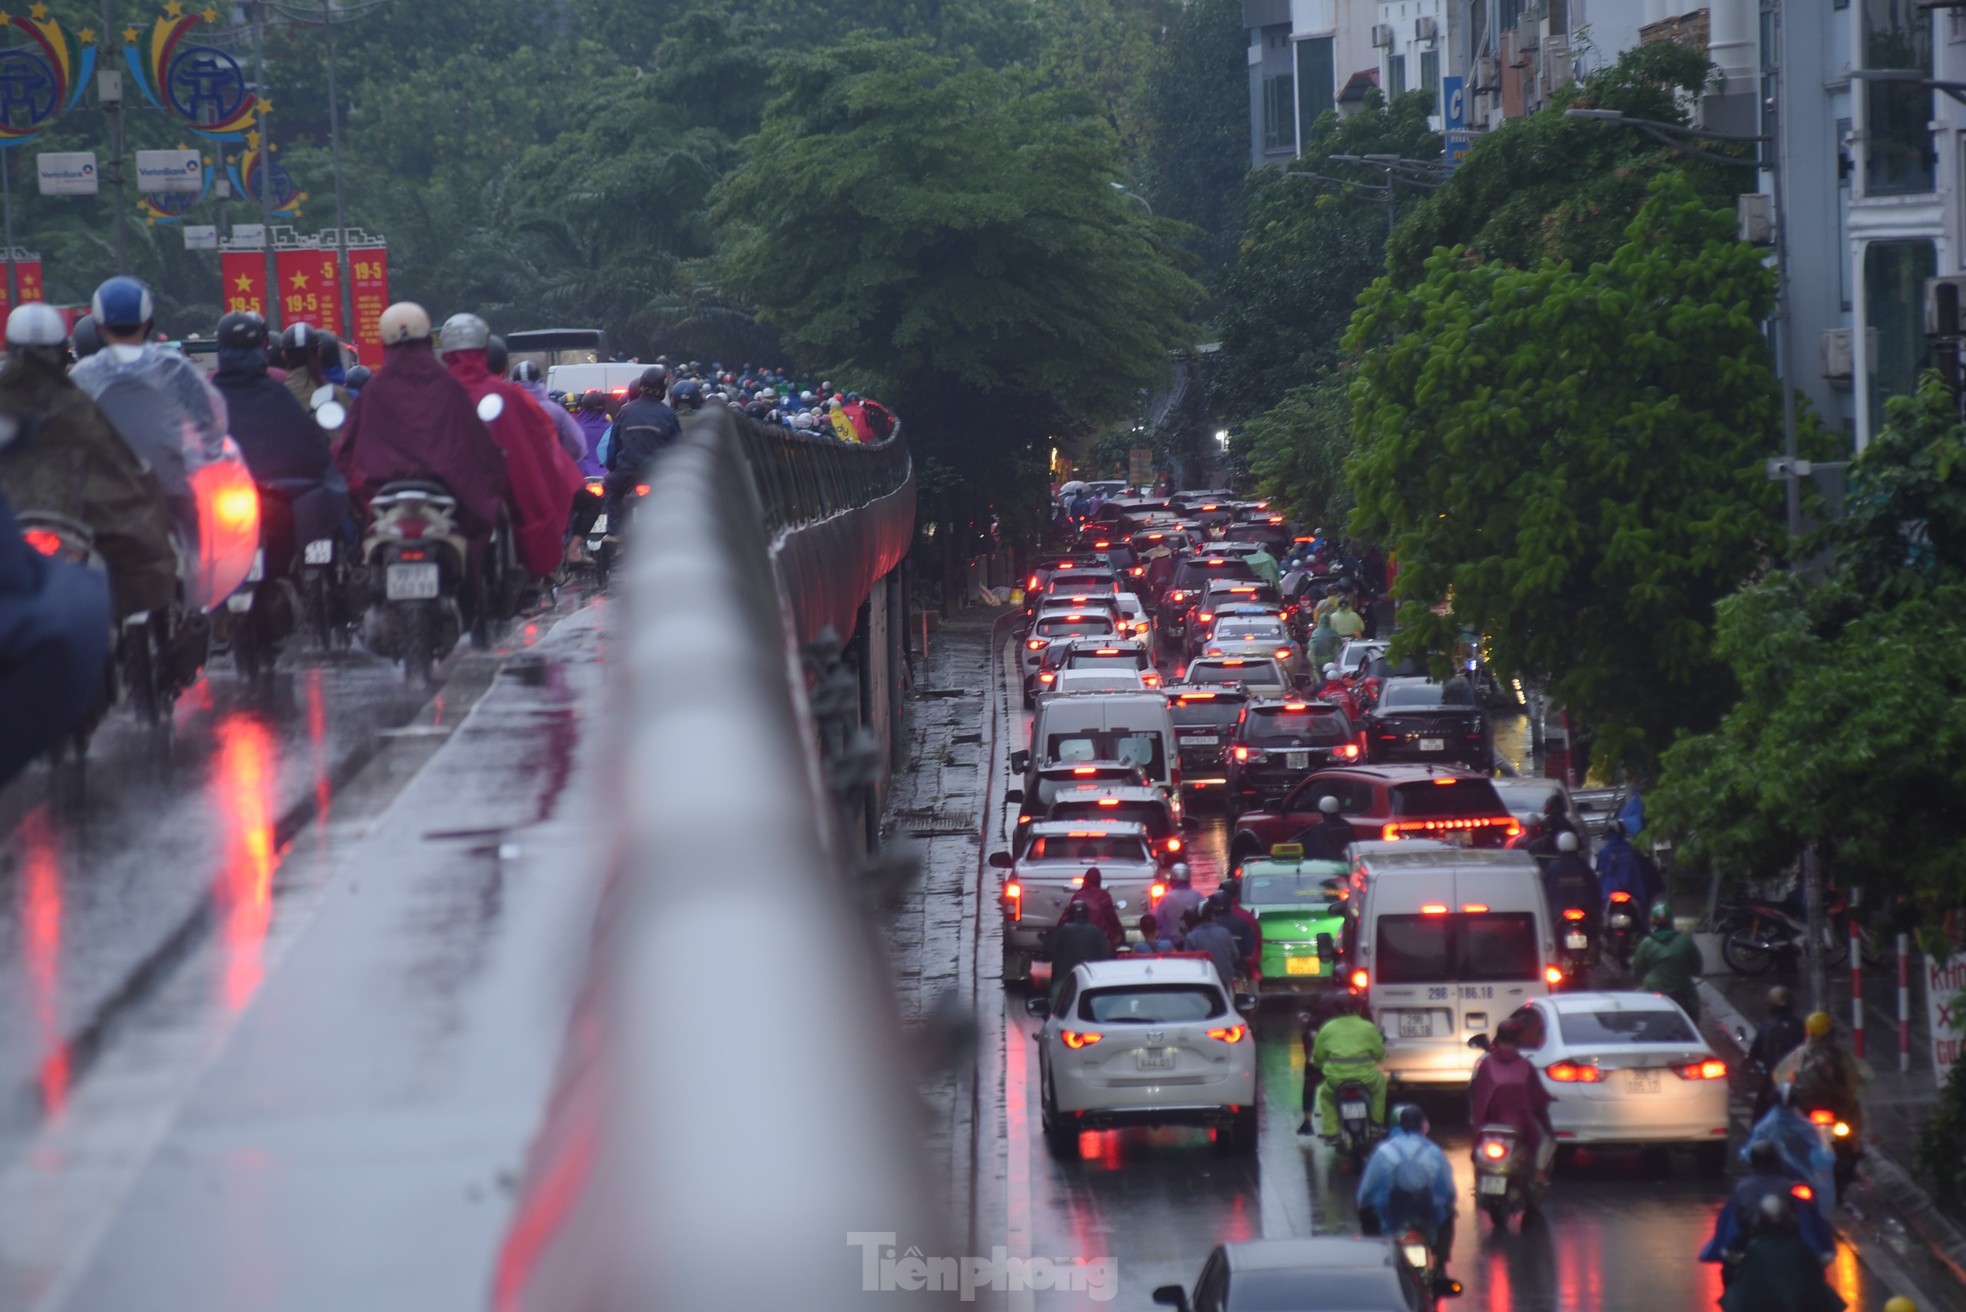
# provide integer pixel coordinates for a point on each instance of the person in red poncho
(542, 479)
(413, 420)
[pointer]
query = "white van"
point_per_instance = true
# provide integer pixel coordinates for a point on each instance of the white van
(609, 379)
(1105, 726)
(1445, 943)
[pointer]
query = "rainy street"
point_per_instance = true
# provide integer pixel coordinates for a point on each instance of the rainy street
(286, 990)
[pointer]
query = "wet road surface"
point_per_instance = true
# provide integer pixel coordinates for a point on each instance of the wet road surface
(1618, 1233)
(286, 999)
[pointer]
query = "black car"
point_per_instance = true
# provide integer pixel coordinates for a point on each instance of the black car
(1204, 722)
(1034, 803)
(1279, 740)
(1422, 721)
(1191, 575)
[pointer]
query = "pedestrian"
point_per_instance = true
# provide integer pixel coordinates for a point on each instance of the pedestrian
(1668, 961)
(1210, 936)
(1075, 941)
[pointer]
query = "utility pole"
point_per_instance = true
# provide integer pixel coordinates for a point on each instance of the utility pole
(109, 91)
(265, 165)
(334, 150)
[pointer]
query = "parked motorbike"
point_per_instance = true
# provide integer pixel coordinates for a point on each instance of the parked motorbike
(416, 559)
(1621, 927)
(1506, 1179)
(1577, 948)
(1756, 936)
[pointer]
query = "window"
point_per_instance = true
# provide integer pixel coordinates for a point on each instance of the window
(1845, 167)
(1446, 798)
(1152, 1004)
(1457, 946)
(1415, 950)
(1395, 76)
(1894, 308)
(1588, 1029)
(1278, 115)
(1103, 849)
(1313, 724)
(1141, 748)
(1497, 947)
(1898, 153)
(1430, 79)
(1316, 83)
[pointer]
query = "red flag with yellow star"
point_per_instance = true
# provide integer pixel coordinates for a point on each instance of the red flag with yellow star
(310, 292)
(243, 274)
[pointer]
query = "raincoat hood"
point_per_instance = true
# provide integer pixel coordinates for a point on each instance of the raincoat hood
(543, 477)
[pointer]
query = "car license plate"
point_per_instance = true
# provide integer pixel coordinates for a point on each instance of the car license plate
(319, 552)
(1576, 942)
(258, 571)
(1433, 744)
(1302, 966)
(1203, 740)
(1297, 760)
(1492, 1185)
(1352, 1111)
(1416, 1025)
(1156, 1059)
(1644, 1081)
(411, 582)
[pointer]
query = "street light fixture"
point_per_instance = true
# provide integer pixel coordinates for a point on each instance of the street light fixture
(1675, 136)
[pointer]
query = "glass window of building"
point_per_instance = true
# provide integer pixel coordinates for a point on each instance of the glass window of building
(1395, 76)
(1279, 114)
(1316, 82)
(1430, 79)
(1898, 152)
(1894, 309)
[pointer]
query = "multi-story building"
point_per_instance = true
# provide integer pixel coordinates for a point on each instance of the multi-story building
(1302, 53)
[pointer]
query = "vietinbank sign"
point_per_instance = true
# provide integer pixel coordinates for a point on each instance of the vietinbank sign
(68, 173)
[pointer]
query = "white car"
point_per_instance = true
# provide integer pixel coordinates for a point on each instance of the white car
(1154, 1041)
(1358, 652)
(1262, 676)
(1100, 680)
(1627, 1068)
(1256, 638)
(1135, 622)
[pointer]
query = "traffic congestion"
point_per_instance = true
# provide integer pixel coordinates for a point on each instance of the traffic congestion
(1318, 995)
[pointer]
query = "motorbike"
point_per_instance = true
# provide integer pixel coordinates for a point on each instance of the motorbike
(1417, 1248)
(1356, 1131)
(605, 542)
(1506, 1179)
(416, 558)
(61, 538)
(1757, 936)
(1840, 1137)
(264, 610)
(1576, 948)
(1621, 927)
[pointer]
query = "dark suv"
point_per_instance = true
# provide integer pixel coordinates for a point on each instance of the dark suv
(1190, 576)
(1384, 802)
(1420, 720)
(1204, 722)
(1280, 740)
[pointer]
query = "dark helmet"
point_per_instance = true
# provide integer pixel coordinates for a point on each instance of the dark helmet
(358, 378)
(330, 352)
(242, 330)
(593, 399)
(300, 344)
(654, 381)
(496, 356)
(527, 371)
(86, 339)
(1218, 902)
(1411, 1119)
(1765, 1157)
(686, 395)
(1509, 1031)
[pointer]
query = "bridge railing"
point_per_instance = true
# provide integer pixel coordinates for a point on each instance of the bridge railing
(733, 1104)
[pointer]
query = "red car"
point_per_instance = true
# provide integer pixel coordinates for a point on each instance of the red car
(1384, 802)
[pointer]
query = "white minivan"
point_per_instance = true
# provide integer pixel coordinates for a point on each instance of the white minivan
(1105, 726)
(1445, 943)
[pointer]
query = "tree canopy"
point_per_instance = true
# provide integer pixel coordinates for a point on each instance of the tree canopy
(1573, 461)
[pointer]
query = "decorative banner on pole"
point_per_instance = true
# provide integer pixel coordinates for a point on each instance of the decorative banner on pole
(243, 274)
(309, 290)
(368, 279)
(202, 85)
(287, 197)
(27, 271)
(40, 80)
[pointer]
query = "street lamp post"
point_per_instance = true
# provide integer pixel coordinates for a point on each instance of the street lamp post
(334, 151)
(109, 91)
(265, 169)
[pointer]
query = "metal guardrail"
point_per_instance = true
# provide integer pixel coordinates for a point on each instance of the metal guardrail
(732, 1104)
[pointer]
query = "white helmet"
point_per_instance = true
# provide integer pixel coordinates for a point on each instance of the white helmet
(465, 332)
(36, 324)
(1331, 671)
(1566, 841)
(404, 321)
(1328, 805)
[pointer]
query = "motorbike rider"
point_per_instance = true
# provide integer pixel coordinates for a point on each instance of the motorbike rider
(62, 457)
(1074, 941)
(1779, 1270)
(1092, 894)
(309, 354)
(1823, 1075)
(594, 424)
(1331, 838)
(1733, 1228)
(283, 446)
(1181, 898)
(1243, 924)
(645, 428)
(1210, 935)
(357, 379)
(83, 338)
(1569, 881)
(526, 374)
(1348, 1050)
(1668, 961)
(54, 639)
(540, 477)
(1506, 1090)
(1407, 1184)
(1555, 823)
(155, 398)
(1780, 1034)
(1618, 867)
(415, 421)
(1339, 693)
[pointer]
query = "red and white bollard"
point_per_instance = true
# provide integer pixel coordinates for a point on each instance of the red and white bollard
(1904, 1003)
(1856, 986)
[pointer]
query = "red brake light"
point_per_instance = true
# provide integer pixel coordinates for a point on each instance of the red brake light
(1711, 1069)
(1434, 909)
(1349, 751)
(1034, 644)
(1032, 586)
(1802, 1192)
(1157, 892)
(641, 489)
(45, 541)
(1360, 979)
(1494, 1149)
(1621, 897)
(1569, 1072)
(1295, 706)
(1075, 1040)
(1242, 753)
(417, 554)
(1206, 616)
(1174, 845)
(1106, 651)
(1109, 801)
(1232, 1034)
(1013, 890)
(1444, 783)
(1474, 908)
(1552, 976)
(1822, 1118)
(1283, 653)
(1047, 677)
(1085, 769)
(1573, 913)
(237, 507)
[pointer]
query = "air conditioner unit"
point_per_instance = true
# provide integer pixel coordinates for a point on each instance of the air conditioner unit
(1945, 305)
(1426, 29)
(1756, 211)
(1382, 36)
(1487, 71)
(1839, 364)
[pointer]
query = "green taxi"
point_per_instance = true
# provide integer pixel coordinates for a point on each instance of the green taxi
(1295, 900)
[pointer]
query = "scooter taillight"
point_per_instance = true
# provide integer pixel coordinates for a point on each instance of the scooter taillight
(409, 526)
(1493, 1150)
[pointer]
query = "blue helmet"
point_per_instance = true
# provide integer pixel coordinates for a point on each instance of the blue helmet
(686, 395)
(124, 302)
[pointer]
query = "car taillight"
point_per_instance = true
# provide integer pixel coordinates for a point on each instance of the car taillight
(1032, 586)
(1494, 1149)
(1013, 899)
(45, 541)
(1360, 979)
(1552, 975)
(1349, 751)
(1034, 644)
(1242, 753)
(1076, 1040)
(1205, 616)
(1229, 1034)
(1047, 678)
(1570, 1072)
(1573, 913)
(1434, 909)
(1841, 1130)
(1711, 1069)
(1178, 596)
(1173, 845)
(1283, 653)
(1157, 892)
(1214, 651)
(1151, 679)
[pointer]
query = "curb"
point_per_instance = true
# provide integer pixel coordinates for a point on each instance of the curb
(1912, 1204)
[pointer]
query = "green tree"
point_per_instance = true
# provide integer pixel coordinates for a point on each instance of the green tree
(956, 241)
(1309, 249)
(1196, 149)
(1573, 461)
(1296, 451)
